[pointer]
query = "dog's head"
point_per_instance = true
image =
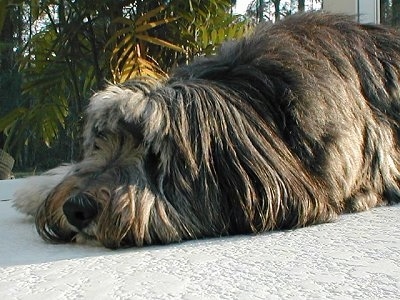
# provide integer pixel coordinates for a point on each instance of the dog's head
(109, 197)
(155, 166)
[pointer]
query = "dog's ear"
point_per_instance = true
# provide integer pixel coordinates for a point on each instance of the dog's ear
(129, 107)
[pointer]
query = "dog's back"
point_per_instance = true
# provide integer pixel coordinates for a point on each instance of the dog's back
(330, 89)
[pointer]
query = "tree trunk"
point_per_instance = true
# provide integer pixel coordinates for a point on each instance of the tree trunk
(385, 11)
(6, 56)
(6, 39)
(277, 5)
(301, 5)
(260, 10)
(395, 12)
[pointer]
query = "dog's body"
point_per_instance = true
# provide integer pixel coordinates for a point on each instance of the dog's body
(286, 128)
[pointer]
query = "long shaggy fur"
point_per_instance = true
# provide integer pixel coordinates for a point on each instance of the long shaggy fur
(288, 127)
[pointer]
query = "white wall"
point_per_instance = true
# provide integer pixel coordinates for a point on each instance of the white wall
(365, 11)
(9, 187)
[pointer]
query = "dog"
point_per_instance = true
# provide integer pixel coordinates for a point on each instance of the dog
(290, 126)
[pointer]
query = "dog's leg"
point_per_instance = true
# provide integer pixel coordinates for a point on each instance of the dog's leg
(363, 200)
(36, 189)
(382, 186)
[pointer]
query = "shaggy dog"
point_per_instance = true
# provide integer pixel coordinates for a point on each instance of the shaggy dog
(288, 127)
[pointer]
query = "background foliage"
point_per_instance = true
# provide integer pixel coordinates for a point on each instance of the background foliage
(55, 53)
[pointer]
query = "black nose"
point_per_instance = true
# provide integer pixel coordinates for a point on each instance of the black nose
(80, 210)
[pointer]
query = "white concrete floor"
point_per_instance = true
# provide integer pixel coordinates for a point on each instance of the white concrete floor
(357, 257)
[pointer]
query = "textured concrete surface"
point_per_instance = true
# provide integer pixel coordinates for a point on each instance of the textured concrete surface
(357, 257)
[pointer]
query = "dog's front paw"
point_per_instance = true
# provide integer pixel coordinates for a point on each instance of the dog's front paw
(36, 189)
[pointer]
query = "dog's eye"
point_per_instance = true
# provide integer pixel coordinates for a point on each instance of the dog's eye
(134, 129)
(97, 143)
(100, 135)
(99, 139)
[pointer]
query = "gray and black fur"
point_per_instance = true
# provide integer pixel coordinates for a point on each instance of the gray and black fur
(288, 127)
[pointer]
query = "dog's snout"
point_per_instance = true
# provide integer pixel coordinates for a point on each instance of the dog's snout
(80, 210)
